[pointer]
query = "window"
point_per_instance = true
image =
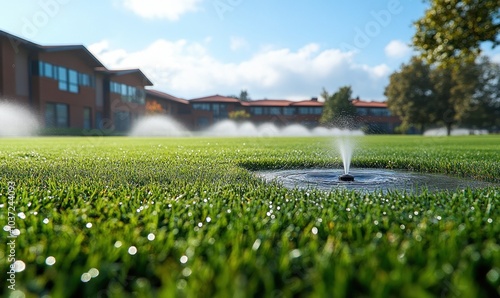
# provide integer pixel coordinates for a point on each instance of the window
(362, 111)
(202, 122)
(48, 70)
(128, 93)
(317, 111)
(201, 106)
(289, 111)
(303, 111)
(275, 111)
(87, 118)
(84, 80)
(256, 110)
(62, 77)
(68, 79)
(73, 81)
(121, 120)
(56, 115)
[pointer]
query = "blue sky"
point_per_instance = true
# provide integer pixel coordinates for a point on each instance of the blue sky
(273, 48)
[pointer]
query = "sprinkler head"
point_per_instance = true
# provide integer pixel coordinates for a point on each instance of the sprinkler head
(346, 177)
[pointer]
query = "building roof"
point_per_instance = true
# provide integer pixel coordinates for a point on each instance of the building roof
(79, 48)
(15, 40)
(166, 96)
(307, 103)
(19, 40)
(122, 72)
(369, 104)
(216, 99)
(269, 103)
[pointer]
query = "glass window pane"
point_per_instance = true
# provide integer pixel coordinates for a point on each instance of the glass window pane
(124, 90)
(62, 115)
(50, 115)
(47, 70)
(62, 74)
(87, 121)
(73, 88)
(73, 77)
(63, 85)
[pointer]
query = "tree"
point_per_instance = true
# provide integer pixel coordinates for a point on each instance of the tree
(467, 93)
(453, 30)
(484, 108)
(238, 115)
(411, 95)
(153, 107)
(244, 96)
(338, 110)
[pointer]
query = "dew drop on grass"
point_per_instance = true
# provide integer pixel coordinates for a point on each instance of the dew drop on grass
(256, 244)
(6, 228)
(19, 266)
(46, 221)
(314, 230)
(295, 254)
(375, 222)
(208, 219)
(85, 277)
(438, 217)
(118, 244)
(89, 225)
(402, 227)
(1, 205)
(493, 275)
(15, 232)
(21, 215)
(151, 237)
(132, 250)
(50, 260)
(490, 220)
(186, 272)
(94, 272)
(183, 259)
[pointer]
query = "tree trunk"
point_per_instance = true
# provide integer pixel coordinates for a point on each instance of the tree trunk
(448, 129)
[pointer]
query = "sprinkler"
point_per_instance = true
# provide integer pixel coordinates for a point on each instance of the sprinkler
(346, 177)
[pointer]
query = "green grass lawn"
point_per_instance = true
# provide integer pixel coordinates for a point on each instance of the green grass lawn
(185, 217)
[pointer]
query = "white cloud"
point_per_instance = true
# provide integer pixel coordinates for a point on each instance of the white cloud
(161, 9)
(99, 47)
(238, 43)
(397, 49)
(187, 69)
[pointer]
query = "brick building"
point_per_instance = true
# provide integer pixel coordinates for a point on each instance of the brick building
(69, 88)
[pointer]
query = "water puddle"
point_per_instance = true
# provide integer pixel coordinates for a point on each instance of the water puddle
(368, 180)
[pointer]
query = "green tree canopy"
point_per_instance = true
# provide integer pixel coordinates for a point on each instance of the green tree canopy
(483, 111)
(411, 95)
(338, 110)
(467, 93)
(452, 30)
(244, 96)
